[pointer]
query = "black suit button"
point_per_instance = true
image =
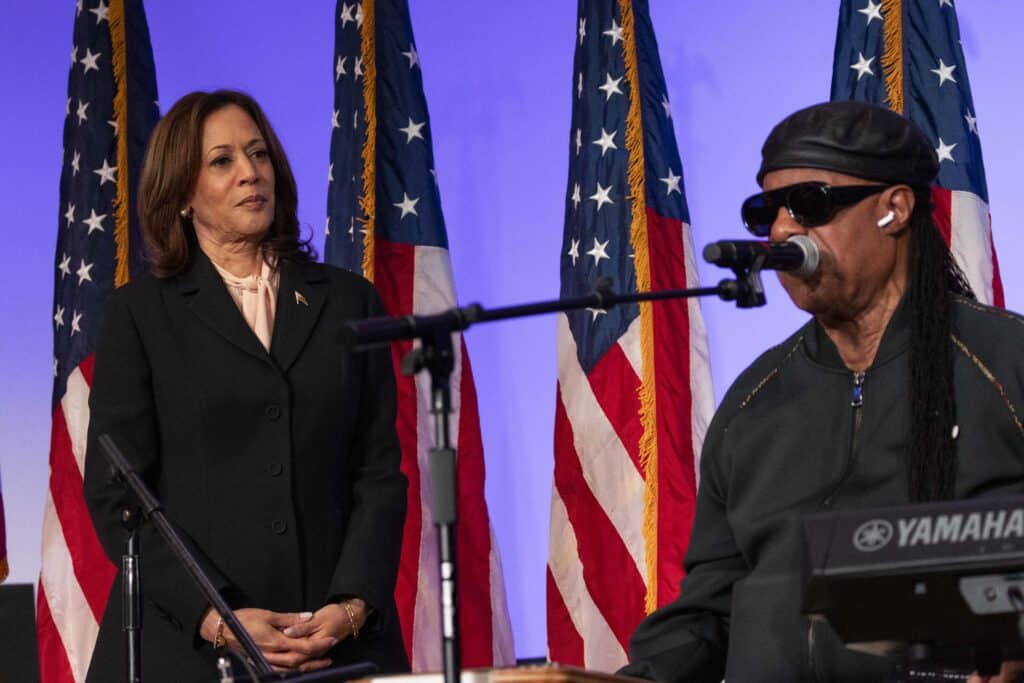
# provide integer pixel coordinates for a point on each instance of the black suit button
(279, 526)
(273, 411)
(275, 469)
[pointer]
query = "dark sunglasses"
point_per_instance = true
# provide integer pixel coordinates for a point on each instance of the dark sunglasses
(810, 204)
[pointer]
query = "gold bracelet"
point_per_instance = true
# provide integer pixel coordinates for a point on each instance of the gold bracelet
(218, 637)
(351, 620)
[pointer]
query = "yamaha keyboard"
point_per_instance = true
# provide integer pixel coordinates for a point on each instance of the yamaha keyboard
(947, 577)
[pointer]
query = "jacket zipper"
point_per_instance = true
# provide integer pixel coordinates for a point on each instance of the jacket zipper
(856, 404)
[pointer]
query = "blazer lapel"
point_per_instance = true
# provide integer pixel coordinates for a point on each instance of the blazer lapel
(208, 297)
(299, 302)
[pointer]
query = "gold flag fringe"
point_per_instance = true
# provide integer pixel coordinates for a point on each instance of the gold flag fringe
(368, 200)
(119, 60)
(642, 265)
(892, 56)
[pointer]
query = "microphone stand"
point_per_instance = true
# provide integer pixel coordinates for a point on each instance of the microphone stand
(436, 355)
(256, 665)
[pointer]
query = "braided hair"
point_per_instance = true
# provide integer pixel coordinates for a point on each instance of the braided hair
(934, 281)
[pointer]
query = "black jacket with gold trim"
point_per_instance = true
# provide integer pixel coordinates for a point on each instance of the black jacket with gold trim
(787, 441)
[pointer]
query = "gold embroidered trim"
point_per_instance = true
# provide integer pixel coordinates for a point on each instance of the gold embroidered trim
(987, 374)
(774, 371)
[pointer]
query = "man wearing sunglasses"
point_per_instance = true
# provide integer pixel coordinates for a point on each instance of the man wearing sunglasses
(901, 388)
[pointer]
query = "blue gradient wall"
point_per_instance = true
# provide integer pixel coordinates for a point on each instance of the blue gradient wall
(498, 77)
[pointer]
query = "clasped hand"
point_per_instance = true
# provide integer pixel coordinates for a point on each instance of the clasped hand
(290, 641)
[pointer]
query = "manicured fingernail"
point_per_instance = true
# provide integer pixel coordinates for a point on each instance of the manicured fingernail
(306, 616)
(290, 631)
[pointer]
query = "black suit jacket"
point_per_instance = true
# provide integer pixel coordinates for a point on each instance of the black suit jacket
(281, 468)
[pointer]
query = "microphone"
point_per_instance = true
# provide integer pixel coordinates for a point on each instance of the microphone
(798, 254)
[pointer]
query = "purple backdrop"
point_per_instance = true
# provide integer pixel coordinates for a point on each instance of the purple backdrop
(498, 77)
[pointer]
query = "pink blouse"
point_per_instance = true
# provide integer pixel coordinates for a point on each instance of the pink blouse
(256, 298)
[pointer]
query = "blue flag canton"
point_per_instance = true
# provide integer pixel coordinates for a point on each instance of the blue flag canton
(598, 211)
(665, 192)
(937, 93)
(85, 261)
(408, 204)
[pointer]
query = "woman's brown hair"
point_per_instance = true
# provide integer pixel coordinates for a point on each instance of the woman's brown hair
(171, 171)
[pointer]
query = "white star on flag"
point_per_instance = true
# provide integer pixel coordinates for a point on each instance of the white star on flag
(89, 61)
(413, 130)
(346, 13)
(666, 106)
(58, 317)
(598, 251)
(358, 69)
(872, 11)
(972, 122)
(601, 196)
(339, 68)
(75, 319)
(65, 266)
(74, 163)
(606, 141)
(327, 226)
(330, 173)
(81, 113)
(945, 3)
(83, 272)
(113, 124)
(95, 222)
(576, 196)
(579, 85)
(101, 12)
(574, 249)
(615, 32)
(106, 173)
(579, 140)
(944, 72)
(74, 55)
(594, 312)
(359, 16)
(582, 29)
(672, 183)
(412, 56)
(863, 66)
(69, 215)
(334, 120)
(407, 206)
(610, 87)
(945, 152)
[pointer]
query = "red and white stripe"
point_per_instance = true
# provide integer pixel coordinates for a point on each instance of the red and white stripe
(597, 575)
(76, 575)
(965, 222)
(418, 279)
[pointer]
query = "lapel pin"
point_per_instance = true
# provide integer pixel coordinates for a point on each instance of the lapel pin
(299, 299)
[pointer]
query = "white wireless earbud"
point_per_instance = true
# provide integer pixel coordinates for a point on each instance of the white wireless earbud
(886, 219)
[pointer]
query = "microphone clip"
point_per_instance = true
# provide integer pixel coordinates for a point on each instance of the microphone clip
(747, 289)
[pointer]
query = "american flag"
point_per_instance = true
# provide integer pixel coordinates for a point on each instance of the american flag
(384, 221)
(111, 109)
(634, 385)
(907, 56)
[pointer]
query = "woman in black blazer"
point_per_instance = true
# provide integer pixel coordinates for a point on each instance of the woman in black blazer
(221, 377)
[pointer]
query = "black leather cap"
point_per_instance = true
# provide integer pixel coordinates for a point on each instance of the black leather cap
(855, 138)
